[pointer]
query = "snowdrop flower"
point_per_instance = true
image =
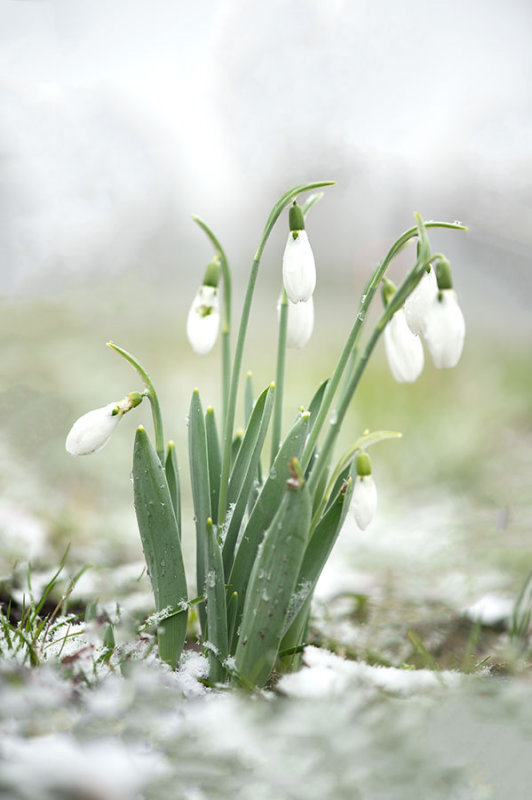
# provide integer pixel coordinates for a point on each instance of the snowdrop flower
(445, 324)
(445, 330)
(203, 320)
(418, 303)
(299, 269)
(93, 430)
(403, 349)
(363, 504)
(300, 323)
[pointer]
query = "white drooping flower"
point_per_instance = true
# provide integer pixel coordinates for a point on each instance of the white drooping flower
(299, 269)
(418, 303)
(203, 320)
(403, 349)
(363, 505)
(300, 323)
(445, 329)
(93, 430)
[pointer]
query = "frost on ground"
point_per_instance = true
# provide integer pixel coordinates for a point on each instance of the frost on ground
(369, 733)
(325, 674)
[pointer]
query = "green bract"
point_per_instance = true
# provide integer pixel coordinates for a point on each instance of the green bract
(268, 504)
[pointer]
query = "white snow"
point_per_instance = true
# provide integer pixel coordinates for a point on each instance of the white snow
(491, 610)
(325, 674)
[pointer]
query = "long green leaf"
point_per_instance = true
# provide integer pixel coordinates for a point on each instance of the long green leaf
(201, 494)
(271, 586)
(162, 547)
(252, 459)
(172, 477)
(245, 452)
(216, 607)
(264, 509)
(214, 458)
(316, 555)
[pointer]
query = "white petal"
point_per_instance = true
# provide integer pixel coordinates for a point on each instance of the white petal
(203, 320)
(403, 349)
(417, 304)
(445, 330)
(363, 504)
(299, 270)
(300, 323)
(93, 430)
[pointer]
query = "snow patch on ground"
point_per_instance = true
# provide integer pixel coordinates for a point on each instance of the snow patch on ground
(325, 674)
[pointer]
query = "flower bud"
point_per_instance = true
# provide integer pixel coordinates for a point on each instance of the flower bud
(418, 303)
(445, 330)
(403, 349)
(363, 504)
(203, 320)
(299, 269)
(93, 430)
(300, 323)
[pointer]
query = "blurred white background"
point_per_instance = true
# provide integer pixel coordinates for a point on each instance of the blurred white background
(120, 118)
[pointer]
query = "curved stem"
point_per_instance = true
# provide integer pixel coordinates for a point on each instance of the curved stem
(411, 280)
(226, 313)
(352, 340)
(152, 394)
(244, 319)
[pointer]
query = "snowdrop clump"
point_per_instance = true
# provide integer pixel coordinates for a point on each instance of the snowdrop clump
(265, 525)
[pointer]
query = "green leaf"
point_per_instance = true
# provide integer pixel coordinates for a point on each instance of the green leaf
(248, 396)
(248, 456)
(232, 608)
(172, 478)
(214, 459)
(216, 609)
(316, 556)
(264, 509)
(271, 586)
(241, 465)
(201, 493)
(161, 544)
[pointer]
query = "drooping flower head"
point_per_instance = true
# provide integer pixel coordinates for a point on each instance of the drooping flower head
(445, 325)
(418, 302)
(404, 350)
(363, 504)
(299, 269)
(93, 430)
(300, 323)
(203, 321)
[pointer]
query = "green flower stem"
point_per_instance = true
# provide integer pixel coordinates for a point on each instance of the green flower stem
(152, 394)
(348, 353)
(335, 423)
(279, 377)
(244, 319)
(226, 314)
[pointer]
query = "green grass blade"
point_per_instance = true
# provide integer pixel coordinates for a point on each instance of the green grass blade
(264, 509)
(247, 480)
(172, 478)
(201, 493)
(216, 607)
(161, 544)
(214, 458)
(272, 584)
